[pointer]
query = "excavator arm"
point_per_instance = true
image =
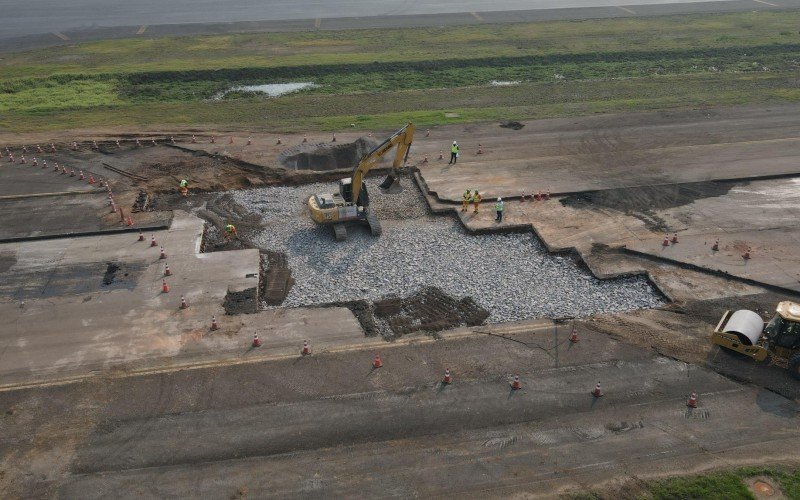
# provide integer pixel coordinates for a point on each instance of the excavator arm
(402, 139)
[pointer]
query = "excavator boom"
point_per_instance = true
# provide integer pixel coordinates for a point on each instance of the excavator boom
(402, 139)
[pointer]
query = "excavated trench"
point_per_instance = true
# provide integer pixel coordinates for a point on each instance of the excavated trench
(326, 156)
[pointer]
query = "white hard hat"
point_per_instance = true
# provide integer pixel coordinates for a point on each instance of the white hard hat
(499, 199)
(454, 142)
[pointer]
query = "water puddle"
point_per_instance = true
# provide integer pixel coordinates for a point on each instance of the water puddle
(504, 83)
(268, 89)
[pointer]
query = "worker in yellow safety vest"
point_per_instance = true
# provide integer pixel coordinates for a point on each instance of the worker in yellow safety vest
(453, 153)
(230, 232)
(476, 201)
(467, 199)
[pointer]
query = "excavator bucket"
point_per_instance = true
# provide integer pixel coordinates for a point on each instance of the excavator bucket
(391, 184)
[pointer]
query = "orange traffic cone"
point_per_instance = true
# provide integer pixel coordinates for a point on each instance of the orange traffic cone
(597, 392)
(427, 132)
(279, 142)
(516, 384)
(441, 154)
(39, 149)
(164, 286)
(448, 379)
(213, 139)
(163, 254)
(249, 141)
(141, 236)
(81, 177)
(52, 147)
(538, 196)
(72, 173)
(153, 241)
(194, 139)
(138, 143)
(63, 170)
(256, 340)
(167, 271)
(129, 222)
(305, 138)
(91, 179)
(425, 159)
(35, 162)
(377, 363)
(22, 159)
(184, 305)
(306, 349)
(692, 403)
(746, 254)
(117, 141)
(214, 325)
(480, 149)
(665, 243)
(230, 141)
(44, 163)
(172, 139)
(334, 137)
(715, 246)
(153, 141)
(675, 238)
(547, 195)
(574, 337)
(522, 197)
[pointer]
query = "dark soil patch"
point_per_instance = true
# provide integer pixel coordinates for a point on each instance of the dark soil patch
(326, 156)
(117, 273)
(429, 310)
(512, 125)
(277, 280)
(242, 302)
(642, 202)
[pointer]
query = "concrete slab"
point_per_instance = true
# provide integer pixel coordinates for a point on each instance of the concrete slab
(762, 217)
(63, 318)
(567, 156)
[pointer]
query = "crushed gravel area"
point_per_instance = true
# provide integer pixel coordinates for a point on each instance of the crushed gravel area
(510, 275)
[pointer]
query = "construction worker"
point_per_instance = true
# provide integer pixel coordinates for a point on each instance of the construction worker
(476, 201)
(498, 207)
(467, 199)
(453, 153)
(230, 232)
(184, 187)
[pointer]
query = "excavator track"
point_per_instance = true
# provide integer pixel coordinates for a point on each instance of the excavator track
(339, 232)
(374, 225)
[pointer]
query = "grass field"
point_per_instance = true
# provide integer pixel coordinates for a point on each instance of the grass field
(376, 78)
(729, 485)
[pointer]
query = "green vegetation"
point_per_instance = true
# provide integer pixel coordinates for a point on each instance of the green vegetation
(729, 485)
(373, 78)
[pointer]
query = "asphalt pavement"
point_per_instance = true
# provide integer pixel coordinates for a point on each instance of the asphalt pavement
(40, 23)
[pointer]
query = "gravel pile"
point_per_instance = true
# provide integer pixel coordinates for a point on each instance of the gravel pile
(510, 275)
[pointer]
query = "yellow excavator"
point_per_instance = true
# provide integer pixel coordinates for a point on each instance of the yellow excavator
(745, 332)
(351, 203)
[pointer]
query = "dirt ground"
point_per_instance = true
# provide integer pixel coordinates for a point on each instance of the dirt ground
(105, 447)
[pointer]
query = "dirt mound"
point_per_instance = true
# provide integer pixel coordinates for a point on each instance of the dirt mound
(512, 125)
(326, 156)
(277, 278)
(430, 310)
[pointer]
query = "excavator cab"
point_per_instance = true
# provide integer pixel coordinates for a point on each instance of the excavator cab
(346, 190)
(783, 330)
